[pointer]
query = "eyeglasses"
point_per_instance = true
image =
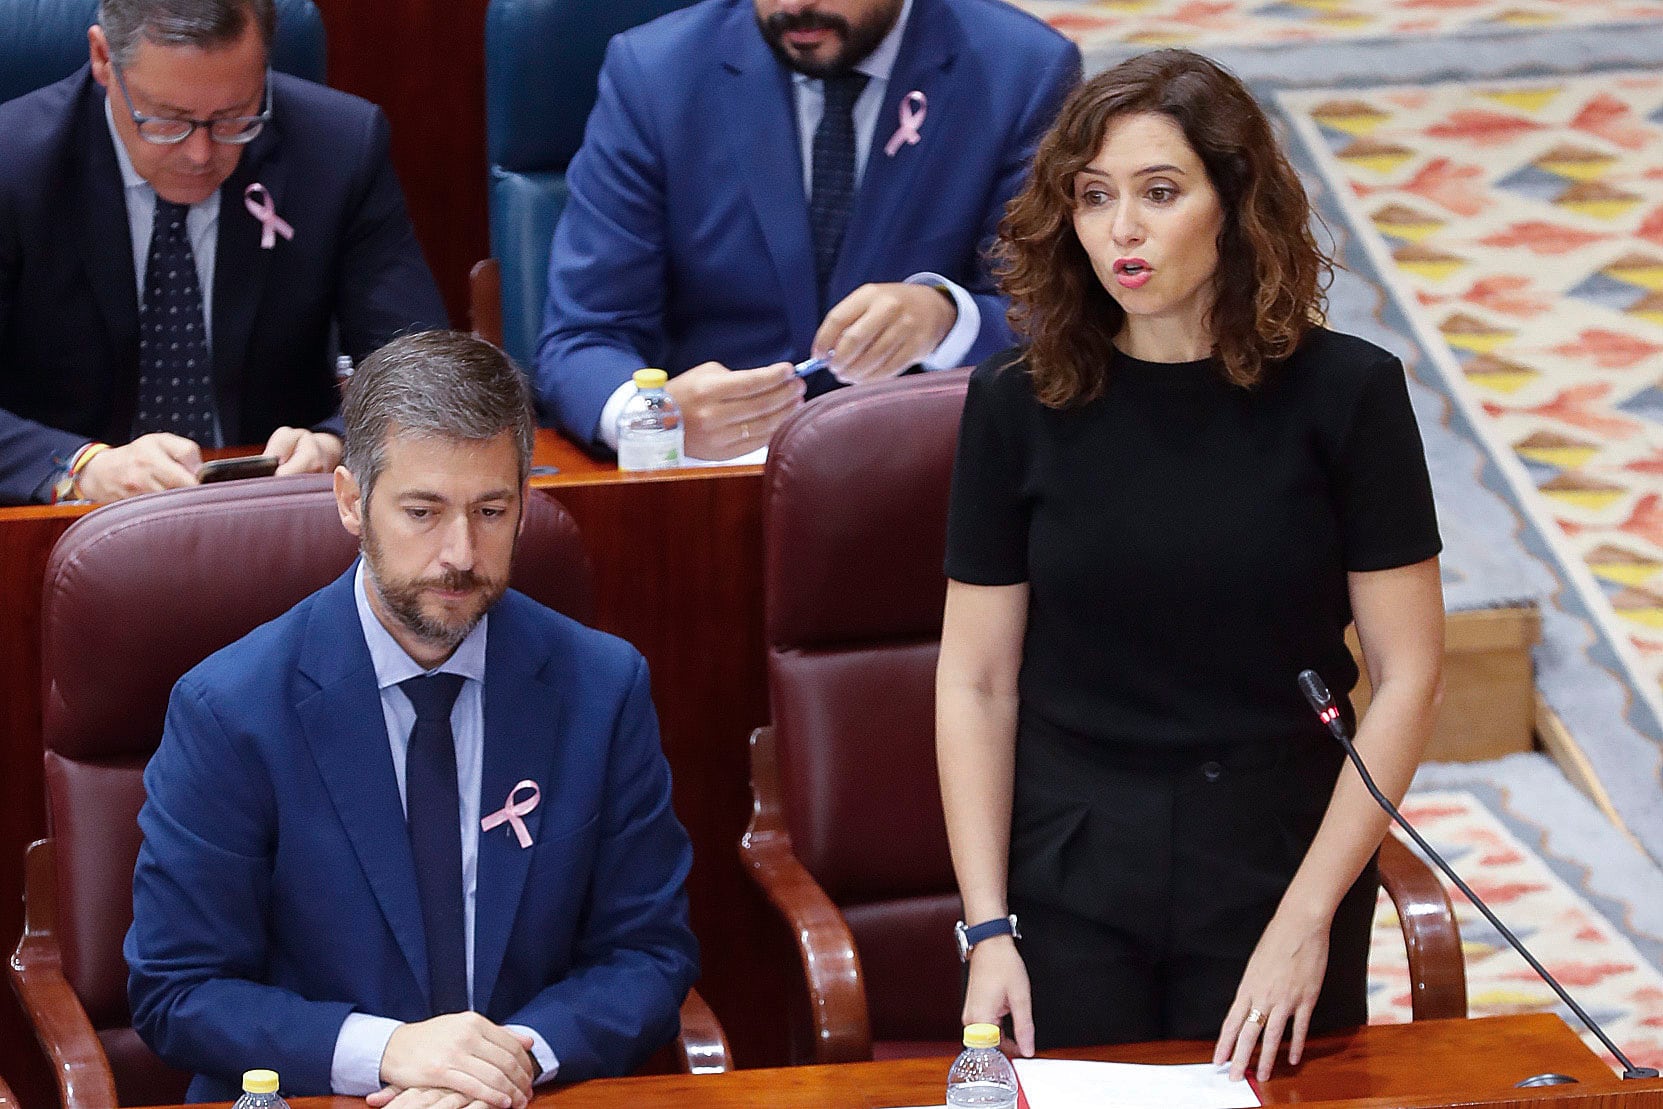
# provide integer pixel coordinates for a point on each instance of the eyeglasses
(166, 130)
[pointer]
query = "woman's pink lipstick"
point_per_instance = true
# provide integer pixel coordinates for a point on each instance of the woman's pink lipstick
(1132, 273)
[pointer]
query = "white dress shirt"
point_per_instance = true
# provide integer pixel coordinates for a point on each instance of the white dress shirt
(809, 94)
(356, 1068)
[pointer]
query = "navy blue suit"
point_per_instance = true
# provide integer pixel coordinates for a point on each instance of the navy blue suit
(687, 238)
(275, 890)
(69, 316)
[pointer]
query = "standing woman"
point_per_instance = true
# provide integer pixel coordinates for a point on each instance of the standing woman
(1165, 506)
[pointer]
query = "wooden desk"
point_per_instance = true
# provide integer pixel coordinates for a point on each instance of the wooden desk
(1410, 1066)
(678, 563)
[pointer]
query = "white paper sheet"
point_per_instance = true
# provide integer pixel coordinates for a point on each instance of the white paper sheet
(753, 458)
(1074, 1084)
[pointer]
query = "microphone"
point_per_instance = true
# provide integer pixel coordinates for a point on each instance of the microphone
(1322, 702)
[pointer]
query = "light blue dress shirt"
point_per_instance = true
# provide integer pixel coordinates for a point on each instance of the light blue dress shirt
(201, 224)
(356, 1068)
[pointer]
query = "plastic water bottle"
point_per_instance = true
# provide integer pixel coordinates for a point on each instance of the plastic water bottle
(650, 434)
(981, 1076)
(260, 1091)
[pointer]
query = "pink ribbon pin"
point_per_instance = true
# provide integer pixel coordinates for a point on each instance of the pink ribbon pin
(511, 812)
(259, 204)
(912, 117)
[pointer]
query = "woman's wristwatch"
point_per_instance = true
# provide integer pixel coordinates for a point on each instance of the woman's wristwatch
(968, 937)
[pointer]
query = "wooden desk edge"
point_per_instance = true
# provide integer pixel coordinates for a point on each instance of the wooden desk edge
(574, 467)
(907, 1081)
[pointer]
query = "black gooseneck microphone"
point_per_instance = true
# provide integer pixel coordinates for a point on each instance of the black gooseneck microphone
(1317, 695)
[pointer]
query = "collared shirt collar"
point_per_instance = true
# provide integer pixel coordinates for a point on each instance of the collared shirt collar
(130, 178)
(393, 664)
(880, 63)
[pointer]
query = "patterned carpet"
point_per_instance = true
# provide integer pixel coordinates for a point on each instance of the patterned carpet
(1518, 229)
(1525, 225)
(1207, 24)
(1551, 895)
(1288, 43)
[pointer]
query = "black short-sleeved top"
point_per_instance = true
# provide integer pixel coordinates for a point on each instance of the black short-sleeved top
(1186, 541)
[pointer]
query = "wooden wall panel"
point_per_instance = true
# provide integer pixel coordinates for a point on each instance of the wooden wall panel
(423, 62)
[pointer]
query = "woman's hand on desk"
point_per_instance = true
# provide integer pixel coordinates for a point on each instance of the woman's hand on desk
(999, 985)
(148, 464)
(1282, 981)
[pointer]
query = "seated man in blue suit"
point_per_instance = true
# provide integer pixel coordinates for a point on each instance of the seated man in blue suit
(414, 835)
(184, 237)
(765, 180)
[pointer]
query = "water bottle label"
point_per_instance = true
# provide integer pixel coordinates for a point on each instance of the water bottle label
(661, 451)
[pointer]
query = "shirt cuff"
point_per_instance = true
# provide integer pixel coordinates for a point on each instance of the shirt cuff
(607, 432)
(540, 1050)
(355, 1070)
(951, 352)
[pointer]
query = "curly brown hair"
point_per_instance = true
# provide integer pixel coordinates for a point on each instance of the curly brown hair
(1271, 277)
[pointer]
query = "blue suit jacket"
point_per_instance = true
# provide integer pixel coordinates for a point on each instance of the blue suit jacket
(69, 314)
(687, 238)
(275, 890)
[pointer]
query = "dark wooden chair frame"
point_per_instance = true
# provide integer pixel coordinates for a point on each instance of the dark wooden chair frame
(831, 965)
(66, 1035)
(485, 300)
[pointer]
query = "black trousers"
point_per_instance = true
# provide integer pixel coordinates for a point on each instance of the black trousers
(1144, 878)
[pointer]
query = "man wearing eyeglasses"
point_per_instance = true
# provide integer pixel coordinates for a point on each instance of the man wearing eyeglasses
(186, 240)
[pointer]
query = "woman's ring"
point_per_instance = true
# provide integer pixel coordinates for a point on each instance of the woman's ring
(1255, 1015)
(744, 431)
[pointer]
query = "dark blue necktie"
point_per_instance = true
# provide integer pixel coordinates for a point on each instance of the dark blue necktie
(432, 802)
(175, 387)
(832, 175)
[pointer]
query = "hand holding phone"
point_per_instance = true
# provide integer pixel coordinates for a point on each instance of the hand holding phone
(232, 469)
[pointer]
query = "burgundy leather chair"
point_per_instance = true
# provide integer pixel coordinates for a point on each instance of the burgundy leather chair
(135, 594)
(847, 838)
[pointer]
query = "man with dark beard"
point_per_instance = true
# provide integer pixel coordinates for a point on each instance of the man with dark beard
(413, 839)
(763, 181)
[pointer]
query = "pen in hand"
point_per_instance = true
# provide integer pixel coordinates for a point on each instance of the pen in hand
(811, 365)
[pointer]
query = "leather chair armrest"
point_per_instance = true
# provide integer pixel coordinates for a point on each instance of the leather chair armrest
(1437, 968)
(702, 1046)
(485, 300)
(831, 966)
(61, 1025)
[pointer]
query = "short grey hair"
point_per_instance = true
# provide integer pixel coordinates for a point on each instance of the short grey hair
(445, 384)
(200, 23)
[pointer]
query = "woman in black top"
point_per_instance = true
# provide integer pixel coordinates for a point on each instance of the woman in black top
(1166, 505)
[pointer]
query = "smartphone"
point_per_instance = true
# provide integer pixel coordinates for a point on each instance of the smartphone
(230, 469)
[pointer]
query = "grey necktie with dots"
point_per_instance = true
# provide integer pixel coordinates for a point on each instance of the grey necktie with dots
(175, 383)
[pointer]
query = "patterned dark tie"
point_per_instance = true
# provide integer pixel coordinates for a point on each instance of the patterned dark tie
(433, 803)
(175, 388)
(833, 174)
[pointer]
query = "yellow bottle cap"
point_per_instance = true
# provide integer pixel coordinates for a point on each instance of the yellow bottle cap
(650, 379)
(259, 1082)
(981, 1035)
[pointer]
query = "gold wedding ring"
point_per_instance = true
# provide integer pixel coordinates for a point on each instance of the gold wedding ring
(1255, 1015)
